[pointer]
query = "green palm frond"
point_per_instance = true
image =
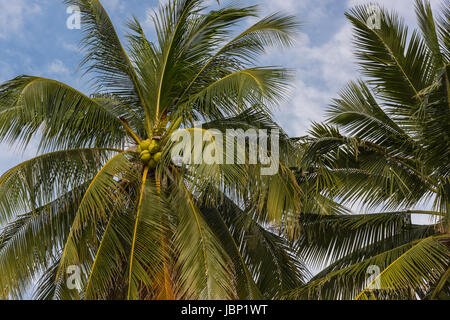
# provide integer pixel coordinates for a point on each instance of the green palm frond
(35, 236)
(58, 115)
(442, 289)
(236, 55)
(359, 114)
(204, 268)
(271, 259)
(433, 119)
(430, 34)
(50, 287)
(40, 180)
(104, 194)
(106, 60)
(251, 87)
(325, 240)
(246, 288)
(414, 265)
(385, 146)
(108, 265)
(444, 27)
(395, 61)
(395, 180)
(422, 264)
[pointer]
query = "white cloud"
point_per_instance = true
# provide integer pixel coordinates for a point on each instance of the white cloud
(112, 5)
(71, 47)
(13, 15)
(323, 68)
(305, 106)
(313, 10)
(57, 67)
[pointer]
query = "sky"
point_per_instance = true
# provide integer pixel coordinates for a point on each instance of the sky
(35, 40)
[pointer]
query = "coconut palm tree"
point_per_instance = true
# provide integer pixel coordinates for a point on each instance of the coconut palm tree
(105, 203)
(386, 147)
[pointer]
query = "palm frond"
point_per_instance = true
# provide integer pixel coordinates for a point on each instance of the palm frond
(35, 237)
(40, 180)
(105, 194)
(106, 60)
(405, 271)
(204, 266)
(430, 34)
(58, 115)
(395, 61)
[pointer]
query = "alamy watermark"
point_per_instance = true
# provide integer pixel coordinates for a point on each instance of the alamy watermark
(74, 20)
(374, 280)
(73, 278)
(198, 146)
(374, 20)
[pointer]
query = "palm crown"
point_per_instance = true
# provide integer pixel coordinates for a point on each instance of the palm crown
(135, 224)
(386, 145)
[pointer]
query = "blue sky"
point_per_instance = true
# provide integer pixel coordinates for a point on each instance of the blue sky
(34, 40)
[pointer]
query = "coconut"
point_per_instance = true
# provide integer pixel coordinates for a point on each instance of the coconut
(154, 147)
(152, 164)
(157, 156)
(145, 144)
(139, 149)
(146, 156)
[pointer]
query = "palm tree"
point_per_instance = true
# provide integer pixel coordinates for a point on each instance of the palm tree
(138, 225)
(386, 146)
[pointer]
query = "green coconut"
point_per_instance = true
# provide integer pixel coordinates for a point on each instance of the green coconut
(145, 144)
(154, 147)
(139, 149)
(146, 156)
(157, 156)
(152, 164)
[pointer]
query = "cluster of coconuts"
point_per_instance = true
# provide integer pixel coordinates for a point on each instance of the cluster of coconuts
(150, 152)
